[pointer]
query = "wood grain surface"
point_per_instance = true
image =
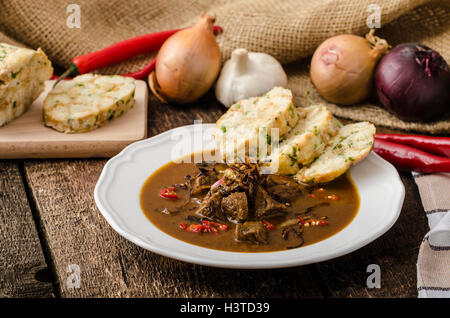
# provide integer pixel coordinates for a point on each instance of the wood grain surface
(23, 269)
(27, 137)
(74, 232)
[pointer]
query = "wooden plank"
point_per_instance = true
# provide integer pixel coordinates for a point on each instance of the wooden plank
(22, 264)
(27, 137)
(109, 265)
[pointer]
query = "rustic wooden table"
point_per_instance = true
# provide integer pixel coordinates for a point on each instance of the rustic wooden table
(49, 221)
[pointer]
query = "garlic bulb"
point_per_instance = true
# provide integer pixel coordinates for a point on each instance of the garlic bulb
(248, 74)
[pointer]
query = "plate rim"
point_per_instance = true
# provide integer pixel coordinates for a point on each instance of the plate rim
(127, 155)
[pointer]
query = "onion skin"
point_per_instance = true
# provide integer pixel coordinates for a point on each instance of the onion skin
(343, 66)
(408, 88)
(188, 63)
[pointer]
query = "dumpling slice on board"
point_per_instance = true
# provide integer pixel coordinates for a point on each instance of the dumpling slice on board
(88, 102)
(22, 76)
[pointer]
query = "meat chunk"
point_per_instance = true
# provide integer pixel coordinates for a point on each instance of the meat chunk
(251, 231)
(210, 206)
(202, 183)
(266, 206)
(284, 188)
(235, 207)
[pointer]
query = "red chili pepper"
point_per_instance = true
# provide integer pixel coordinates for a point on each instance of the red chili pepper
(333, 197)
(410, 158)
(211, 229)
(269, 226)
(143, 72)
(217, 183)
(314, 222)
(168, 193)
(301, 220)
(222, 227)
(436, 145)
(209, 226)
(183, 226)
(119, 52)
(196, 228)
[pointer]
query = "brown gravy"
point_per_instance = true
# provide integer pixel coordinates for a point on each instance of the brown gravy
(338, 213)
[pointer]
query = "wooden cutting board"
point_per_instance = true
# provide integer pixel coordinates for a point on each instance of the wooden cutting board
(27, 137)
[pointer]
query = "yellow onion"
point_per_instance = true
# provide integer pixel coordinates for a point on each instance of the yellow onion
(187, 64)
(343, 67)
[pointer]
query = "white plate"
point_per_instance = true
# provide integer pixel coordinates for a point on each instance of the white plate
(117, 197)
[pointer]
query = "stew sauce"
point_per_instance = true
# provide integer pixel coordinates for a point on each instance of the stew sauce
(335, 204)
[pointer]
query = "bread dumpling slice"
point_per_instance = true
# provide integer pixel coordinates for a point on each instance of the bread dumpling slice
(315, 128)
(248, 123)
(88, 102)
(352, 143)
(23, 73)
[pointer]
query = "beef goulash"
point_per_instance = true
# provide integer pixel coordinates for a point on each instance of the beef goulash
(252, 204)
(236, 208)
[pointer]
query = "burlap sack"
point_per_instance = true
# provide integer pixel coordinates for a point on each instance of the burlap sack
(289, 30)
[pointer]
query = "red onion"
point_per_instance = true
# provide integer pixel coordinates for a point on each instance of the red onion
(413, 82)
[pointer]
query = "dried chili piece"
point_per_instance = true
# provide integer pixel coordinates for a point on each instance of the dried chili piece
(269, 226)
(168, 193)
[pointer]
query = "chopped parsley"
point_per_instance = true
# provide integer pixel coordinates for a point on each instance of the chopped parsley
(339, 145)
(224, 129)
(3, 55)
(291, 109)
(269, 139)
(293, 156)
(111, 116)
(316, 131)
(14, 75)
